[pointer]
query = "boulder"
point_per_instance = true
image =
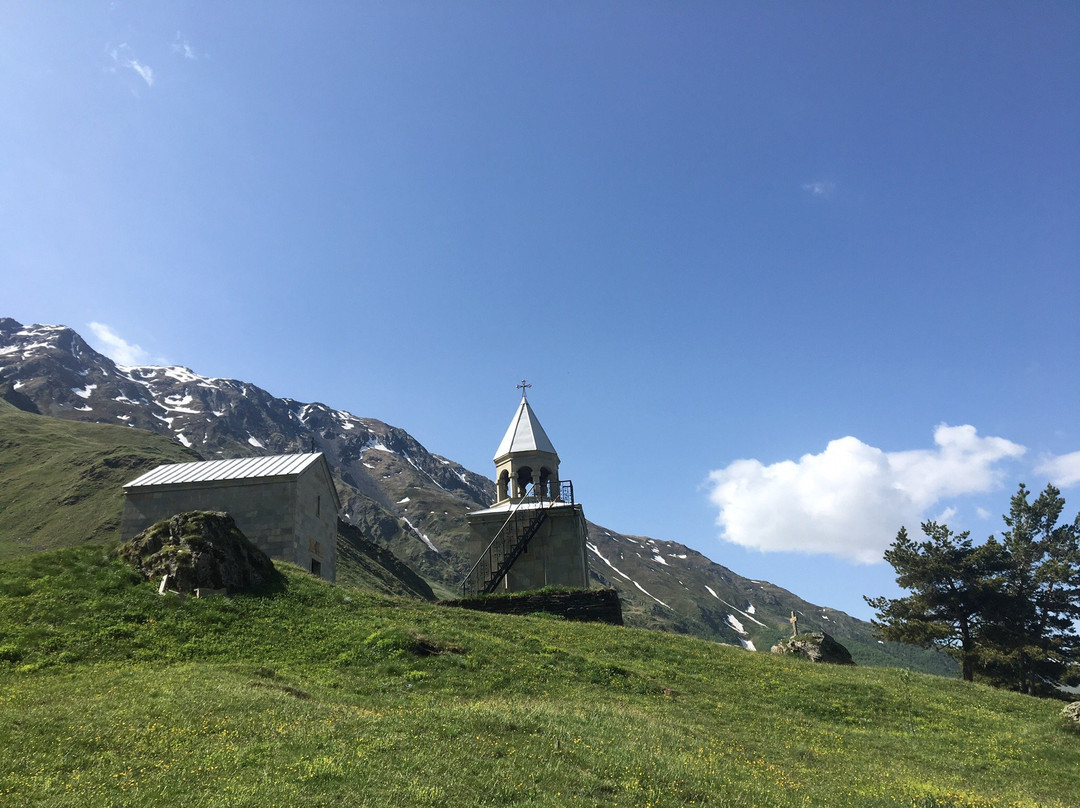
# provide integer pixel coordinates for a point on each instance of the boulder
(200, 550)
(1072, 712)
(817, 647)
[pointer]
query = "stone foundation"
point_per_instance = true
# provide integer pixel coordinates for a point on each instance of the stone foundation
(586, 605)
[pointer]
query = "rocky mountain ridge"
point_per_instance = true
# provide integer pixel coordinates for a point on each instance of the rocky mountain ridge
(399, 494)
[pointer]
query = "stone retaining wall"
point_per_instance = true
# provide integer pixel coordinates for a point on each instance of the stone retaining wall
(588, 605)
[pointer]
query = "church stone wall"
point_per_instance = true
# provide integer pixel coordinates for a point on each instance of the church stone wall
(316, 522)
(556, 555)
(292, 519)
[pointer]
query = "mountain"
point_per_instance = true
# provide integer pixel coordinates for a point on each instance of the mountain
(62, 478)
(403, 497)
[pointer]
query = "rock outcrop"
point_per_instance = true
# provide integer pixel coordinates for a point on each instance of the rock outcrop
(200, 550)
(1072, 712)
(817, 647)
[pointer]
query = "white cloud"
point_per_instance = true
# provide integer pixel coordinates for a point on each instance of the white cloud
(117, 349)
(122, 57)
(983, 513)
(946, 515)
(1062, 470)
(820, 189)
(183, 47)
(144, 71)
(852, 498)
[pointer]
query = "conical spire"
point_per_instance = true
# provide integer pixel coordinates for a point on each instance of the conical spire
(524, 434)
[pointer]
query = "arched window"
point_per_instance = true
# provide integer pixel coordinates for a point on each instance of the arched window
(524, 480)
(545, 483)
(504, 485)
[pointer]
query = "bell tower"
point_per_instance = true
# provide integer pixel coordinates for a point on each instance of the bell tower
(525, 457)
(535, 534)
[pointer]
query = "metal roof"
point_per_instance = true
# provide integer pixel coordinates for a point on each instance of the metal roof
(525, 434)
(239, 468)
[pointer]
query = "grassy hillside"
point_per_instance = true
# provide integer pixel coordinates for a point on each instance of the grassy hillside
(366, 565)
(61, 486)
(321, 695)
(62, 479)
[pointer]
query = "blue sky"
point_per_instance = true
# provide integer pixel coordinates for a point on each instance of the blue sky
(784, 276)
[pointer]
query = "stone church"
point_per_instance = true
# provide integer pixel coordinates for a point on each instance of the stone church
(286, 505)
(535, 534)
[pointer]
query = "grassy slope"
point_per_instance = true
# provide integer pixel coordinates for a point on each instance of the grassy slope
(62, 479)
(366, 565)
(62, 486)
(110, 694)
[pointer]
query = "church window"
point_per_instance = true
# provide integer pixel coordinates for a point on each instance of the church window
(545, 482)
(525, 479)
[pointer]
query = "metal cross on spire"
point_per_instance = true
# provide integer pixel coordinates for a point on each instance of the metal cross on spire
(523, 387)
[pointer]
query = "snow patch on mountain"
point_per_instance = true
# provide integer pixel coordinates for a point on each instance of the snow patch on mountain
(712, 592)
(184, 375)
(423, 536)
(639, 586)
(744, 614)
(416, 466)
(255, 442)
(596, 552)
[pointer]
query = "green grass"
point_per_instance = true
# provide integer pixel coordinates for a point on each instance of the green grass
(322, 695)
(62, 479)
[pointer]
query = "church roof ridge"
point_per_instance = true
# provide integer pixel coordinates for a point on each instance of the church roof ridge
(525, 434)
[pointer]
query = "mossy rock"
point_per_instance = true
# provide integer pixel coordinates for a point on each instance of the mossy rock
(200, 550)
(817, 647)
(1072, 712)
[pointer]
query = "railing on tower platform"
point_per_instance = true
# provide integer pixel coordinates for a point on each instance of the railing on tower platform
(522, 523)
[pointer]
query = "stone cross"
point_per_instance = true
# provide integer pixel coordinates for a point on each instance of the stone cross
(523, 387)
(794, 624)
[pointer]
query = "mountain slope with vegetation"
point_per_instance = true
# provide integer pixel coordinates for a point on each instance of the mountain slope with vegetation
(317, 694)
(405, 498)
(62, 486)
(62, 479)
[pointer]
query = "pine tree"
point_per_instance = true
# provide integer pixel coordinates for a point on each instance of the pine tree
(1032, 637)
(952, 584)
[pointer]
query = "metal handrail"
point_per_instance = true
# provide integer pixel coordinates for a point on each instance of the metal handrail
(566, 496)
